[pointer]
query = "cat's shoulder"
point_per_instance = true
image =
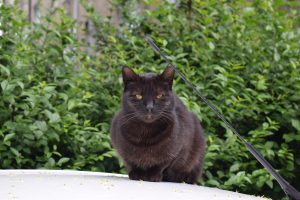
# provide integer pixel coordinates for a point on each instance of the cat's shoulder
(178, 102)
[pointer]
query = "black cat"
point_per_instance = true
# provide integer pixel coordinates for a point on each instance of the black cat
(158, 139)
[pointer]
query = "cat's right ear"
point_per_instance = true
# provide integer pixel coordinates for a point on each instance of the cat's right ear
(128, 75)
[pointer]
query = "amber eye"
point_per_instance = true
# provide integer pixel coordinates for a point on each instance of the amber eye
(138, 96)
(159, 96)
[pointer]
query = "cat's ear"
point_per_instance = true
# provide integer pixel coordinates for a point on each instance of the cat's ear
(168, 75)
(128, 75)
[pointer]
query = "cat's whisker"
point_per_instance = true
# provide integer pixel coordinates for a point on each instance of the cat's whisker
(167, 121)
(127, 116)
(163, 119)
(167, 116)
(127, 120)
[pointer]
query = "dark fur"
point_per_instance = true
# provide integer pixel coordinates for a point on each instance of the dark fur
(167, 146)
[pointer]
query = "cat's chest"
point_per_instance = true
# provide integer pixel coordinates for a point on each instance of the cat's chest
(146, 146)
(141, 131)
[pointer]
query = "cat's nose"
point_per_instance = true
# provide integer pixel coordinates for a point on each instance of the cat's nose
(149, 106)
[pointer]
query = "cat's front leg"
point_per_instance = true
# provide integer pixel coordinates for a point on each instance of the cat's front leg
(135, 174)
(153, 174)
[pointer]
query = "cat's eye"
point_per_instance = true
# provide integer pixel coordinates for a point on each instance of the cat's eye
(138, 96)
(159, 96)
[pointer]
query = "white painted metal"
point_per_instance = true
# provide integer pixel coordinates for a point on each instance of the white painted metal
(78, 185)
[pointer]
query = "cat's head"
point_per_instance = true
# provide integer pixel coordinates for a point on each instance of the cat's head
(148, 96)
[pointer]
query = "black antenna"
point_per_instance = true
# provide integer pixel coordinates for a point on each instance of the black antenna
(290, 191)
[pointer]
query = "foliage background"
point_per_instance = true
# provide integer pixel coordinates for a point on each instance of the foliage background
(57, 100)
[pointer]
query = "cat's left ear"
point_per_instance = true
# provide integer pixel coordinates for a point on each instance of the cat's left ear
(168, 75)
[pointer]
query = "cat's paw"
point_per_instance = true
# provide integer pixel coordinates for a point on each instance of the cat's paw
(154, 178)
(135, 176)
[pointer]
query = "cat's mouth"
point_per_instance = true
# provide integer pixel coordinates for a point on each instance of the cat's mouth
(149, 118)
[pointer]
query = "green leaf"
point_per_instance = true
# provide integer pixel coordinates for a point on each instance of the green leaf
(4, 85)
(62, 161)
(213, 183)
(8, 137)
(20, 84)
(234, 167)
(51, 162)
(270, 183)
(181, 55)
(53, 117)
(15, 151)
(296, 124)
(211, 45)
(276, 55)
(41, 125)
(71, 104)
(4, 69)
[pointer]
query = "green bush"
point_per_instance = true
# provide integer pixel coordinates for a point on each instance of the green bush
(242, 55)
(52, 108)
